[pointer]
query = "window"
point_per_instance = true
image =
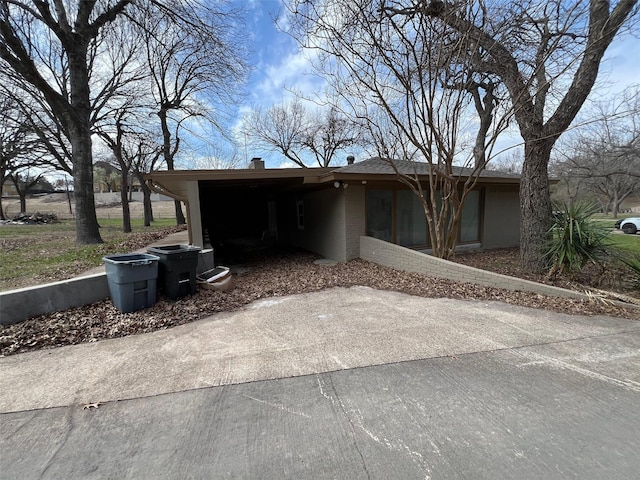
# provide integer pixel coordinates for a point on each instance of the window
(396, 215)
(411, 223)
(379, 214)
(470, 221)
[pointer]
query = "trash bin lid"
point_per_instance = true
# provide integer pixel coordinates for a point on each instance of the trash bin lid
(131, 258)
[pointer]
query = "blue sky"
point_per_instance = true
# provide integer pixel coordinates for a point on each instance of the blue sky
(279, 66)
(278, 63)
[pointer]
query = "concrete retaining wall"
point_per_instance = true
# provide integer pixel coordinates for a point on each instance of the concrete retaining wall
(18, 305)
(395, 256)
(23, 303)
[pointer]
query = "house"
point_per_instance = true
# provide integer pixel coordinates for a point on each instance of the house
(107, 178)
(9, 189)
(327, 210)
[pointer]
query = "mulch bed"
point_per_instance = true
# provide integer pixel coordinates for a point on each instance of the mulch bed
(285, 273)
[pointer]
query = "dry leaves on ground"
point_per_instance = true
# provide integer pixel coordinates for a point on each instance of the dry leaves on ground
(286, 273)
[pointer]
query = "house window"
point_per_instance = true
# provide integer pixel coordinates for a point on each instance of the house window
(470, 221)
(411, 223)
(397, 216)
(379, 214)
(300, 214)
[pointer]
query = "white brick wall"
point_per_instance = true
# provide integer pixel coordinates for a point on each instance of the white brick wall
(401, 258)
(355, 219)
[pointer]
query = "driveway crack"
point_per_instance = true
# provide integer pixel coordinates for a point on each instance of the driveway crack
(336, 400)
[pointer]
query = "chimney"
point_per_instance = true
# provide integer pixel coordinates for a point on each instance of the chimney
(350, 159)
(256, 163)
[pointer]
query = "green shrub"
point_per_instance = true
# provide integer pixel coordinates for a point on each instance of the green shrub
(576, 239)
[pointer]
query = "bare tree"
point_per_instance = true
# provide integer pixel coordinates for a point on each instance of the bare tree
(295, 132)
(145, 157)
(330, 134)
(190, 70)
(423, 117)
(16, 142)
(548, 55)
(51, 140)
(53, 47)
(115, 139)
(280, 128)
(61, 35)
(120, 110)
(509, 162)
(23, 180)
(602, 159)
(216, 156)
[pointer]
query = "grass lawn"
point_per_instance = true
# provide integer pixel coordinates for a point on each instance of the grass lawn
(618, 240)
(626, 243)
(31, 254)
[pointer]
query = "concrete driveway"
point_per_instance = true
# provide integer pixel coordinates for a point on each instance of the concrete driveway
(343, 383)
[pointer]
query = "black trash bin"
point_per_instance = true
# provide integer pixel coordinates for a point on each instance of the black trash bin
(177, 269)
(132, 280)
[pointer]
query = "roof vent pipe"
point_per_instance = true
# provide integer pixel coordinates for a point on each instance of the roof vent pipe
(256, 163)
(350, 159)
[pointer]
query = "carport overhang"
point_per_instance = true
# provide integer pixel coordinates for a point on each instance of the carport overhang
(184, 186)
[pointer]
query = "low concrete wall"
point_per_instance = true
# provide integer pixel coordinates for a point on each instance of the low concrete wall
(18, 305)
(395, 256)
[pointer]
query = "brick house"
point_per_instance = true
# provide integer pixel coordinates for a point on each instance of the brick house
(327, 210)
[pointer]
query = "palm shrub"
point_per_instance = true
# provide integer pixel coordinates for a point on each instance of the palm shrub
(576, 239)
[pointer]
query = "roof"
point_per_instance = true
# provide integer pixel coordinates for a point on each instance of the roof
(174, 182)
(381, 166)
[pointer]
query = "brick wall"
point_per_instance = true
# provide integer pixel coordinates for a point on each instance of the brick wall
(355, 219)
(401, 258)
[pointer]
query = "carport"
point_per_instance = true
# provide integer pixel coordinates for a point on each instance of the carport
(241, 208)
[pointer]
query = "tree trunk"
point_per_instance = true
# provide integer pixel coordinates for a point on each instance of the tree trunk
(78, 119)
(535, 205)
(168, 158)
(180, 220)
(69, 199)
(23, 201)
(124, 197)
(148, 208)
(87, 229)
(2, 216)
(146, 199)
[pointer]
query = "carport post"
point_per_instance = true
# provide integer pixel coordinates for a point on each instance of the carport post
(194, 219)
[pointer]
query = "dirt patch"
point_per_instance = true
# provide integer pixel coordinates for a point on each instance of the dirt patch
(57, 204)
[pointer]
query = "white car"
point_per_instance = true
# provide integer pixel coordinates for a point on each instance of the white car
(630, 225)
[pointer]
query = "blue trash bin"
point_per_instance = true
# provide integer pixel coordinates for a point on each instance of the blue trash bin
(132, 280)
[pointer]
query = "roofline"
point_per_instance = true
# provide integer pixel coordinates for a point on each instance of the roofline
(392, 176)
(309, 174)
